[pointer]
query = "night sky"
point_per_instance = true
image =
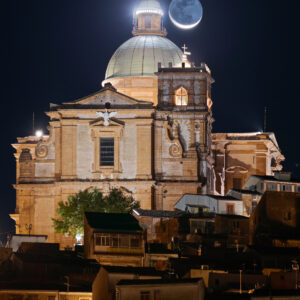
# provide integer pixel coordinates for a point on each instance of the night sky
(58, 50)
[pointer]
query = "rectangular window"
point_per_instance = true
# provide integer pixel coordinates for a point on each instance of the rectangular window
(236, 225)
(297, 189)
(269, 187)
(124, 242)
(274, 187)
(107, 151)
(102, 240)
(230, 209)
(135, 243)
(237, 183)
(145, 295)
(98, 240)
(115, 242)
(287, 188)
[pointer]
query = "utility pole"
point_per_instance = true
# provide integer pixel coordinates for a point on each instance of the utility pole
(240, 281)
(265, 120)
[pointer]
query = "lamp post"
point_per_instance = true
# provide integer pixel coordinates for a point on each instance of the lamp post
(295, 267)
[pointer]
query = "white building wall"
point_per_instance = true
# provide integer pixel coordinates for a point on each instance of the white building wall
(186, 291)
(238, 206)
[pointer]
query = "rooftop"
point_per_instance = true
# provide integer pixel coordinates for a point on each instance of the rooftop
(273, 178)
(113, 222)
(158, 213)
(158, 281)
(146, 271)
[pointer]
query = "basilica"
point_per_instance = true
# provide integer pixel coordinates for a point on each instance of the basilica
(148, 132)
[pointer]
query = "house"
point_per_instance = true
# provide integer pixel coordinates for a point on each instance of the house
(276, 220)
(41, 271)
(167, 289)
(279, 182)
(158, 255)
(40, 293)
(235, 228)
(198, 203)
(14, 241)
(113, 239)
(239, 155)
(250, 199)
(219, 282)
(104, 286)
(160, 226)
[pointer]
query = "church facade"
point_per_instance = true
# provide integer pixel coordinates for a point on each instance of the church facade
(148, 132)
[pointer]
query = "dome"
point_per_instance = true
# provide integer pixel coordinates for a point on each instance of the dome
(140, 55)
(149, 6)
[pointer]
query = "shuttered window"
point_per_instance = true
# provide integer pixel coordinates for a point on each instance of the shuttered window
(106, 151)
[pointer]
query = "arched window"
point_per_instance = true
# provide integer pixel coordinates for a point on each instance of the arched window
(181, 97)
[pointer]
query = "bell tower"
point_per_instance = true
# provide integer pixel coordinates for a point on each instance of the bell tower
(147, 19)
(182, 130)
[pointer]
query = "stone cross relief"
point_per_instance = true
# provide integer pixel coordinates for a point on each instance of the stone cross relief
(106, 116)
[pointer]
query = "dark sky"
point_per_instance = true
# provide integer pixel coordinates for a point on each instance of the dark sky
(58, 50)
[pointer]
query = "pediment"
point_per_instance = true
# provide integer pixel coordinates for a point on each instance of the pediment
(108, 95)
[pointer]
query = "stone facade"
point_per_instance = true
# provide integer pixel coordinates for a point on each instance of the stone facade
(240, 155)
(159, 154)
(158, 126)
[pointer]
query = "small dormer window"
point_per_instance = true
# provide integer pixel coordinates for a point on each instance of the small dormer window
(181, 97)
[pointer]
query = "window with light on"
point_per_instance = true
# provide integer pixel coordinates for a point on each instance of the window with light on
(181, 97)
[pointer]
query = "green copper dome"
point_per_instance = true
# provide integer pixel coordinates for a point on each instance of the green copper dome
(140, 55)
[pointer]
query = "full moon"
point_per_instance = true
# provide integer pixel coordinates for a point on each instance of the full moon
(185, 14)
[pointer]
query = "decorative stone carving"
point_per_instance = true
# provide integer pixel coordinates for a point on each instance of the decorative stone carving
(184, 130)
(106, 116)
(41, 151)
(175, 150)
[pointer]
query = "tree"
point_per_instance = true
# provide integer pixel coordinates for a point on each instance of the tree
(71, 212)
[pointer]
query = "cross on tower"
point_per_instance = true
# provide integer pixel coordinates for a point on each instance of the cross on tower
(184, 50)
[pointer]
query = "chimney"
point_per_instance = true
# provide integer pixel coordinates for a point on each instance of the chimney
(159, 65)
(170, 65)
(183, 65)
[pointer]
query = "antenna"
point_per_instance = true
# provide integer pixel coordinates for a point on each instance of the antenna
(265, 120)
(33, 123)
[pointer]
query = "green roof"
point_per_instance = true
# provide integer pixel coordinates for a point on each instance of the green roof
(113, 222)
